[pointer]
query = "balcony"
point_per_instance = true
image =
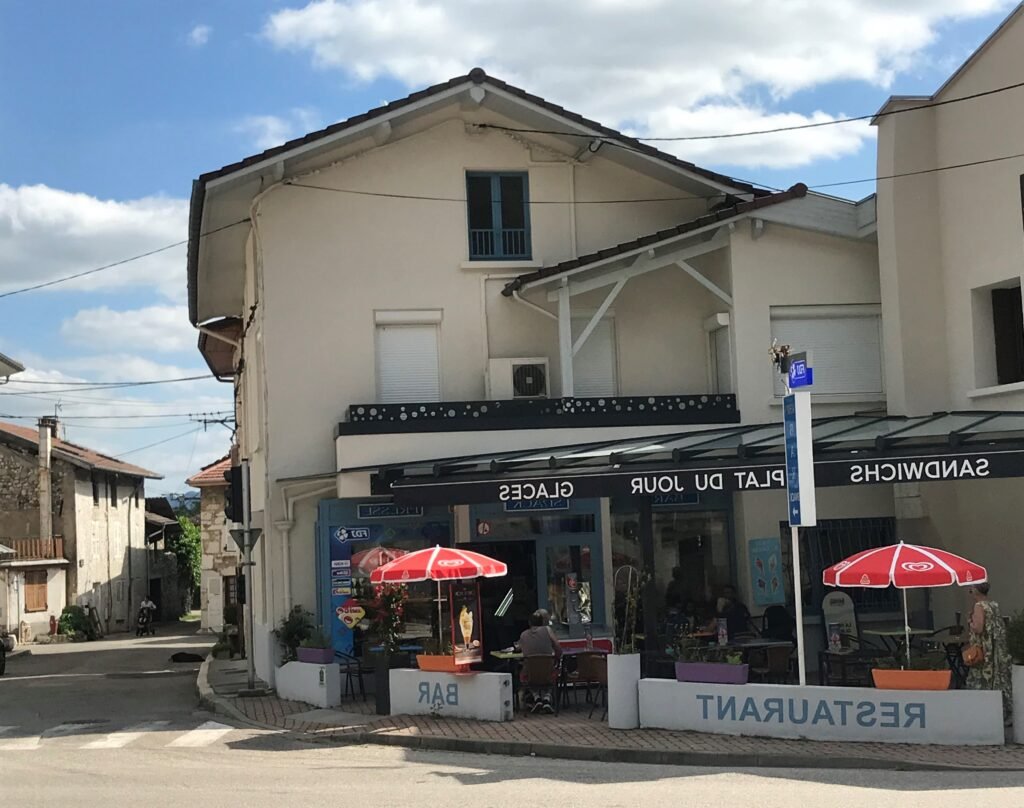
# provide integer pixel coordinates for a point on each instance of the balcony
(540, 413)
(34, 549)
(502, 244)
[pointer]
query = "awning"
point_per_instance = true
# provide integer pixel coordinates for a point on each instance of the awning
(849, 450)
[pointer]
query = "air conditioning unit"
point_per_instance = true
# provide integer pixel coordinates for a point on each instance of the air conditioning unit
(517, 378)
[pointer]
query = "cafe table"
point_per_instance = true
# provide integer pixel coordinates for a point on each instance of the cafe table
(895, 638)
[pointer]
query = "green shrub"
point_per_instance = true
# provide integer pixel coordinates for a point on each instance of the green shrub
(74, 622)
(1015, 637)
(316, 639)
(295, 628)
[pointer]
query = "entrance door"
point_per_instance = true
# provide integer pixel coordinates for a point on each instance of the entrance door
(501, 631)
(570, 582)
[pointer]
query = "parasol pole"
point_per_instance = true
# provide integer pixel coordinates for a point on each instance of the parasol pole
(440, 639)
(906, 626)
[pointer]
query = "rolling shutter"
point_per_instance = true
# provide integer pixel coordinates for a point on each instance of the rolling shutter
(408, 369)
(593, 368)
(845, 343)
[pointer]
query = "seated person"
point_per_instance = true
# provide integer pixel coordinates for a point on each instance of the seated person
(734, 611)
(539, 640)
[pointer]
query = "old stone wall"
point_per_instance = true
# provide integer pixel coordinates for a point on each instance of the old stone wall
(19, 492)
(220, 557)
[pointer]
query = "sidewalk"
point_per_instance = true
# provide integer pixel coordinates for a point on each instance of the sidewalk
(573, 736)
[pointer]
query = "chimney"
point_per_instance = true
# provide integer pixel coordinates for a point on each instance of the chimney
(47, 431)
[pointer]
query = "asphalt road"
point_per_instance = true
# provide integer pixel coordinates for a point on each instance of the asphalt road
(115, 723)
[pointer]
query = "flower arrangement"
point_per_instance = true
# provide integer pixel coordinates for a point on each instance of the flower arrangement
(388, 614)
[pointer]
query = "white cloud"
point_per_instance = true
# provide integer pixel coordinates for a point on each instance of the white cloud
(267, 131)
(47, 233)
(157, 328)
(199, 36)
(636, 63)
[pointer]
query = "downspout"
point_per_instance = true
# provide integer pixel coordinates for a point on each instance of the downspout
(128, 533)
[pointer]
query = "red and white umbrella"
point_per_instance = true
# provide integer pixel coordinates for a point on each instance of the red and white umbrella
(438, 564)
(904, 566)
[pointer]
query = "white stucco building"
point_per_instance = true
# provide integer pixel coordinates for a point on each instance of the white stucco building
(439, 313)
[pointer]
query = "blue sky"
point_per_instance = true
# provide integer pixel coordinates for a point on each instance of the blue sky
(109, 110)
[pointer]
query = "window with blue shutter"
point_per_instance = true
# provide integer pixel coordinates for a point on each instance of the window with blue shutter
(498, 208)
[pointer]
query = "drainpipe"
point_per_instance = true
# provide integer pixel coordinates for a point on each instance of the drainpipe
(47, 429)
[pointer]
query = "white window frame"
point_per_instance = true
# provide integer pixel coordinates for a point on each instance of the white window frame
(814, 311)
(407, 317)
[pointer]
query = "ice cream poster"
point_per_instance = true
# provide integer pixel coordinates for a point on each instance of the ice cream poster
(766, 578)
(467, 630)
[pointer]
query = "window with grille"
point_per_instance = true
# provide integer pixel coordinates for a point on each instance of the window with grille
(829, 543)
(499, 215)
(230, 590)
(35, 591)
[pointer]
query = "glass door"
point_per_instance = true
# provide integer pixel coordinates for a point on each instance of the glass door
(570, 582)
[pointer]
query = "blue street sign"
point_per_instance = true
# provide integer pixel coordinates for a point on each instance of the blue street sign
(800, 498)
(801, 374)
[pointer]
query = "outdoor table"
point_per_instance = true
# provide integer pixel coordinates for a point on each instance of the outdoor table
(953, 645)
(895, 638)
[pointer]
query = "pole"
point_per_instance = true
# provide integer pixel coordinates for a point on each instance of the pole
(798, 601)
(247, 563)
(906, 626)
(440, 636)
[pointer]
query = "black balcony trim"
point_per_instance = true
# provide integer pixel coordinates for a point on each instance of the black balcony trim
(480, 416)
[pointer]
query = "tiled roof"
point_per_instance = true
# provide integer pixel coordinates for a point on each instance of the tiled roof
(73, 453)
(721, 215)
(212, 474)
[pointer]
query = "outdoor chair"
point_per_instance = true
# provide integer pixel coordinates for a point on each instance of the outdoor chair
(353, 670)
(593, 670)
(584, 675)
(773, 664)
(778, 624)
(540, 674)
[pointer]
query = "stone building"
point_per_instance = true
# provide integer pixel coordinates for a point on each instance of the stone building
(219, 583)
(75, 520)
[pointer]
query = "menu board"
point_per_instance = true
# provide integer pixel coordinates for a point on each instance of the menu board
(467, 623)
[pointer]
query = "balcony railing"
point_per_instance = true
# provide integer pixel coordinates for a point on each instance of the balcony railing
(510, 244)
(541, 413)
(34, 549)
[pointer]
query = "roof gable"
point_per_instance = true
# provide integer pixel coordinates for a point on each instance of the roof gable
(80, 456)
(211, 475)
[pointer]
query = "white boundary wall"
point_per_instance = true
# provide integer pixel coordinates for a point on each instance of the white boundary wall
(953, 717)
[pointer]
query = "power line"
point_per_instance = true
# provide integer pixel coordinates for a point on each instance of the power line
(158, 443)
(100, 384)
(773, 131)
(108, 385)
(922, 171)
(120, 417)
(114, 264)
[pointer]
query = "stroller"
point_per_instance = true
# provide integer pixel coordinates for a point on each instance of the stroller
(144, 623)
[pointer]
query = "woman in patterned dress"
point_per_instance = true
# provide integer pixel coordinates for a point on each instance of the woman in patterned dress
(989, 631)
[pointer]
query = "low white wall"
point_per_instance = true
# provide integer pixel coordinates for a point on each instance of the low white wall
(319, 685)
(483, 696)
(266, 653)
(954, 717)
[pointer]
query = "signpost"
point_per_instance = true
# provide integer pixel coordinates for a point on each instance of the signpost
(800, 500)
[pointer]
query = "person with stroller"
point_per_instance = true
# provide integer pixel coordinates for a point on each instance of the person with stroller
(146, 618)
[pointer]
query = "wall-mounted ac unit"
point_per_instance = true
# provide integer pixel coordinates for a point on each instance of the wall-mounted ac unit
(517, 378)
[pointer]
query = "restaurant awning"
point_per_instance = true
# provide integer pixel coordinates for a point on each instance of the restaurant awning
(859, 449)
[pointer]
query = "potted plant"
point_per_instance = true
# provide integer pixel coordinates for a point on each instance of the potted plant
(316, 648)
(438, 656)
(926, 672)
(696, 661)
(624, 661)
(1015, 644)
(294, 629)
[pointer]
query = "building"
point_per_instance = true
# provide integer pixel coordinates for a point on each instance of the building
(951, 257)
(75, 521)
(473, 271)
(219, 583)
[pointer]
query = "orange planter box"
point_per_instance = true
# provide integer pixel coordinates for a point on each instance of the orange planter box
(911, 680)
(439, 663)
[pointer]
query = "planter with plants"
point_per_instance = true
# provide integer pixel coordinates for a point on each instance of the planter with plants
(925, 672)
(696, 661)
(296, 628)
(1015, 643)
(316, 648)
(438, 658)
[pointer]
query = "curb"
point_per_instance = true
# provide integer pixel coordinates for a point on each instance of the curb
(209, 700)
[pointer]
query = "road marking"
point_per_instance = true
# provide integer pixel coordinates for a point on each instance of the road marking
(33, 741)
(121, 738)
(203, 735)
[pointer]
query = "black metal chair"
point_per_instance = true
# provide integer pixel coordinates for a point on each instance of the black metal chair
(354, 670)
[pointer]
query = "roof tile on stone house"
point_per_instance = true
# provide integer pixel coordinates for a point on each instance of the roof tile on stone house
(28, 438)
(211, 475)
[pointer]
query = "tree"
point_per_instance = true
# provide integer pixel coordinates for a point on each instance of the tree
(188, 550)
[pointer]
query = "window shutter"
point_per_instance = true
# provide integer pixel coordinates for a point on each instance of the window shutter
(845, 343)
(408, 369)
(723, 360)
(593, 368)
(35, 591)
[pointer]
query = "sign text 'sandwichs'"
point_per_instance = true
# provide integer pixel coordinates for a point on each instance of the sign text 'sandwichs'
(619, 482)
